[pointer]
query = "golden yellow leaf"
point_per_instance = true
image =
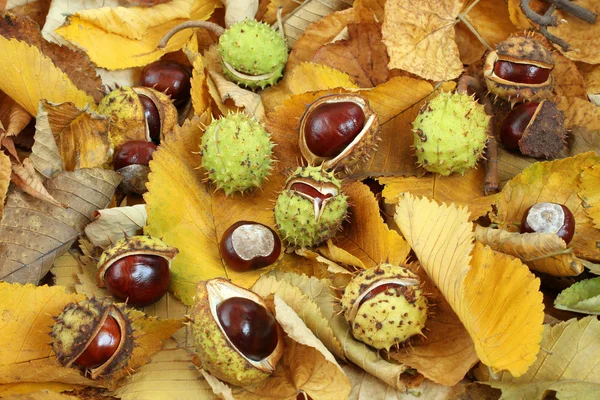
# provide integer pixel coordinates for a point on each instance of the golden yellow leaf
(199, 92)
(366, 236)
(469, 46)
(554, 181)
(442, 238)
(43, 393)
(491, 20)
(29, 76)
(464, 190)
(339, 255)
(375, 6)
(111, 50)
(420, 37)
(5, 171)
(590, 193)
(308, 77)
(570, 368)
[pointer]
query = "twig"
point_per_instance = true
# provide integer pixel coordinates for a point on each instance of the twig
(576, 10)
(543, 20)
(215, 28)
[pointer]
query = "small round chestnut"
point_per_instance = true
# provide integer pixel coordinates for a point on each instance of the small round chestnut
(152, 117)
(514, 125)
(135, 152)
(102, 346)
(251, 327)
(549, 218)
(169, 77)
(248, 245)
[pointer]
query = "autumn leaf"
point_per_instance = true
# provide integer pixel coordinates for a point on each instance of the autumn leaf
(111, 224)
(25, 177)
(590, 193)
(33, 232)
(583, 297)
(199, 90)
(244, 99)
(5, 171)
(553, 181)
(420, 37)
(570, 368)
(468, 276)
(12, 116)
(544, 252)
(464, 190)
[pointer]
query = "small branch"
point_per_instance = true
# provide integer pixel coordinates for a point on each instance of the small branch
(491, 182)
(555, 39)
(543, 20)
(215, 28)
(280, 22)
(576, 10)
(470, 85)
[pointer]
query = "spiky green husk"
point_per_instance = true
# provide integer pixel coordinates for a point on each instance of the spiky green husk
(126, 113)
(450, 133)
(390, 317)
(295, 215)
(253, 48)
(236, 153)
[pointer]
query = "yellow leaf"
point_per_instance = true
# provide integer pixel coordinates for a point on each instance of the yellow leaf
(114, 51)
(464, 190)
(491, 21)
(420, 37)
(199, 91)
(553, 181)
(307, 77)
(442, 238)
(29, 76)
(5, 171)
(17, 390)
(590, 193)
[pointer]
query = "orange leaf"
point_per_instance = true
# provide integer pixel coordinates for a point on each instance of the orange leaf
(5, 172)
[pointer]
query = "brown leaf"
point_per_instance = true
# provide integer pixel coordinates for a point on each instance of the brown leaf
(568, 81)
(5, 172)
(14, 117)
(111, 224)
(34, 232)
(287, 6)
(27, 179)
(374, 6)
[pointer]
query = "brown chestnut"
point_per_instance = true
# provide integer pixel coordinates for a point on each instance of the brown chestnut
(139, 279)
(169, 77)
(331, 127)
(521, 73)
(311, 192)
(135, 152)
(515, 123)
(549, 218)
(152, 117)
(248, 245)
(102, 346)
(249, 326)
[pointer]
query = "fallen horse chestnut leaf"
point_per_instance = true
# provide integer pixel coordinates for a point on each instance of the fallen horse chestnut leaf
(549, 218)
(248, 245)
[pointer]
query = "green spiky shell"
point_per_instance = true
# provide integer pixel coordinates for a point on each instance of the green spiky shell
(390, 317)
(450, 133)
(236, 153)
(75, 327)
(295, 215)
(253, 48)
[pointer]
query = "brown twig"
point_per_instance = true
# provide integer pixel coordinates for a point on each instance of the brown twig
(576, 10)
(215, 28)
(543, 20)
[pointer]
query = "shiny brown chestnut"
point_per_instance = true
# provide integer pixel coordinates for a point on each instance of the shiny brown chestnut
(102, 346)
(135, 152)
(152, 117)
(248, 245)
(521, 73)
(169, 77)
(249, 326)
(515, 123)
(549, 217)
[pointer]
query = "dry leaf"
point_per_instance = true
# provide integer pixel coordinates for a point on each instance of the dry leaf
(272, 9)
(568, 366)
(236, 11)
(464, 190)
(67, 139)
(543, 252)
(583, 297)
(14, 117)
(490, 20)
(554, 181)
(5, 172)
(65, 269)
(39, 232)
(441, 237)
(589, 191)
(420, 37)
(568, 81)
(199, 91)
(112, 223)
(246, 100)
(26, 178)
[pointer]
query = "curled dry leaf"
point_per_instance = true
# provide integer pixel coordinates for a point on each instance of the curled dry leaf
(419, 36)
(468, 276)
(39, 232)
(68, 138)
(112, 223)
(543, 252)
(5, 171)
(570, 368)
(14, 117)
(246, 100)
(553, 181)
(583, 297)
(26, 178)
(199, 91)
(461, 190)
(589, 192)
(108, 37)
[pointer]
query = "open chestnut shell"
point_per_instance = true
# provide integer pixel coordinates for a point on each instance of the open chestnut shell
(338, 131)
(248, 245)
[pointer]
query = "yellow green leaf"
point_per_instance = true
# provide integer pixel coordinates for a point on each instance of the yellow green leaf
(583, 297)
(590, 193)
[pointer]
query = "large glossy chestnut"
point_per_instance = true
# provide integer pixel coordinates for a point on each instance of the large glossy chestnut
(331, 127)
(248, 245)
(521, 73)
(249, 326)
(514, 125)
(152, 117)
(169, 77)
(135, 152)
(140, 279)
(549, 218)
(102, 346)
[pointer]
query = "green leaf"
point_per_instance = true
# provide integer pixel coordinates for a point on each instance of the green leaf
(582, 297)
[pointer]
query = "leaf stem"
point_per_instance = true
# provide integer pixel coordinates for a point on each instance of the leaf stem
(215, 28)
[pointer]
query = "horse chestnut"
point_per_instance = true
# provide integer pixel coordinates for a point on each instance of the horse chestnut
(521, 73)
(169, 77)
(251, 327)
(248, 245)
(135, 152)
(102, 346)
(549, 218)
(152, 117)
(515, 124)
